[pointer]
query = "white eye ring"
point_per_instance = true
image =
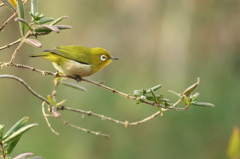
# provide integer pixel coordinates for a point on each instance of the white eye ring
(103, 57)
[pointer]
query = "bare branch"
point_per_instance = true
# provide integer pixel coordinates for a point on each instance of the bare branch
(85, 130)
(125, 123)
(11, 44)
(16, 50)
(25, 84)
(10, 18)
(45, 116)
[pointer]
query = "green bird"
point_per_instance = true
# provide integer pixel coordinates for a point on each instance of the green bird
(77, 61)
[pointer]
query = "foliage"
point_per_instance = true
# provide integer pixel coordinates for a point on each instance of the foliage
(11, 138)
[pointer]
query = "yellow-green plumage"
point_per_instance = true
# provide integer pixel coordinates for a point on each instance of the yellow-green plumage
(77, 61)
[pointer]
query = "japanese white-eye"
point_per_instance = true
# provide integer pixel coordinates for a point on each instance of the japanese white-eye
(77, 61)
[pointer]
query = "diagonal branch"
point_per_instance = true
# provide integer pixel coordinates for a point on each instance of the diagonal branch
(125, 123)
(26, 85)
(11, 44)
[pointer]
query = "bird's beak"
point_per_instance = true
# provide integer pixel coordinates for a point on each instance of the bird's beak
(113, 58)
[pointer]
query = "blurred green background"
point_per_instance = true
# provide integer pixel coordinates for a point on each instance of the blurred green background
(158, 42)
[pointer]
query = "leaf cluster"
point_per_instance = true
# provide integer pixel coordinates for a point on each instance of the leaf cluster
(9, 140)
(39, 23)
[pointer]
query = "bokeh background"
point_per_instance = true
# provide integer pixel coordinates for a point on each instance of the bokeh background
(158, 42)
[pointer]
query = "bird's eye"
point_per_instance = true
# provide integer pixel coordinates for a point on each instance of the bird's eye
(103, 57)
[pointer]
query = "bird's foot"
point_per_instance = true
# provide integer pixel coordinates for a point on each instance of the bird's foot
(78, 78)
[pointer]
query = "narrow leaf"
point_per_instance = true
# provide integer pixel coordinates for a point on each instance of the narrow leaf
(45, 20)
(137, 93)
(178, 95)
(22, 122)
(203, 104)
(195, 96)
(39, 29)
(51, 101)
(21, 14)
(23, 156)
(74, 86)
(10, 4)
(154, 96)
(156, 87)
(63, 27)
(19, 132)
(34, 7)
(234, 144)
(53, 28)
(33, 42)
(185, 100)
(11, 145)
(58, 20)
(1, 132)
(24, 23)
(189, 90)
(37, 157)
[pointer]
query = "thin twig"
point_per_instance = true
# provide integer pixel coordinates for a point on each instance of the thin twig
(26, 85)
(27, 67)
(11, 44)
(48, 123)
(3, 155)
(146, 119)
(89, 113)
(5, 23)
(16, 50)
(125, 123)
(85, 130)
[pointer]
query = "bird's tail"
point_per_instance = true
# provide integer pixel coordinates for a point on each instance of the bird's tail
(38, 55)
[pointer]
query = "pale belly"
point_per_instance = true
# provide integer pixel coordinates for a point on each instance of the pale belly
(73, 68)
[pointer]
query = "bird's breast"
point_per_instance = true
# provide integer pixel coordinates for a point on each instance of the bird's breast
(73, 68)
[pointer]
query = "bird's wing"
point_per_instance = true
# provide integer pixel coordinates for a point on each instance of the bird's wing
(73, 52)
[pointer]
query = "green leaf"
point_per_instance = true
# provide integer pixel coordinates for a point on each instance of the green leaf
(11, 145)
(154, 88)
(194, 97)
(58, 20)
(203, 104)
(22, 122)
(9, 5)
(1, 132)
(45, 20)
(154, 96)
(234, 144)
(24, 23)
(175, 93)
(40, 29)
(51, 101)
(74, 86)
(33, 42)
(185, 100)
(137, 93)
(53, 28)
(34, 7)
(21, 14)
(19, 132)
(147, 91)
(189, 90)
